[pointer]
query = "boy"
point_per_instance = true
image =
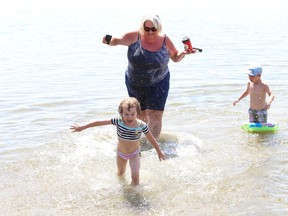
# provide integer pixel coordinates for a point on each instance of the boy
(257, 90)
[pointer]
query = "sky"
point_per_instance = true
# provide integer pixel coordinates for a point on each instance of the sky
(131, 6)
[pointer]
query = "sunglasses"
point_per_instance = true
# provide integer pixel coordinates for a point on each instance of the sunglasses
(147, 29)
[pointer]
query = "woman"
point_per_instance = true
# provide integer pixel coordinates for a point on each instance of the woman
(147, 75)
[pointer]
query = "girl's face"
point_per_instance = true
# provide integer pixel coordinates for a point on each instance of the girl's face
(129, 117)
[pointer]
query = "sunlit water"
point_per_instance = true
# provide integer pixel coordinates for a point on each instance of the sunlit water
(55, 71)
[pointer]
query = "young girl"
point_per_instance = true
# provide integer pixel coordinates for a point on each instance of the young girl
(129, 130)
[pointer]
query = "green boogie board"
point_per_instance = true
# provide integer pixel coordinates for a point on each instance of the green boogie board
(260, 128)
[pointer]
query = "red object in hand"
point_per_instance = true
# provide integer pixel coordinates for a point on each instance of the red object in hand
(186, 41)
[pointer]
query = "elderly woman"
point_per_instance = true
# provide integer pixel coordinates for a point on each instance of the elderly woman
(147, 75)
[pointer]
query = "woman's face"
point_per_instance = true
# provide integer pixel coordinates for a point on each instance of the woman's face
(149, 28)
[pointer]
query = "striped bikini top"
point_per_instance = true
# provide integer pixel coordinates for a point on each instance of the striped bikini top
(129, 133)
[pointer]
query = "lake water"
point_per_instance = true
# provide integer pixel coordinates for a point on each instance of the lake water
(55, 71)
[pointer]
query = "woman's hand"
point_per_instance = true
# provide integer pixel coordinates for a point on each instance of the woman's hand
(189, 51)
(104, 40)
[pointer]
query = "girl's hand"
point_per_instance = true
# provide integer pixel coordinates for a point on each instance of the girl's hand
(161, 156)
(76, 128)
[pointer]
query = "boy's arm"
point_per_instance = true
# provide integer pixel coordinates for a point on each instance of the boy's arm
(154, 143)
(78, 128)
(271, 97)
(243, 95)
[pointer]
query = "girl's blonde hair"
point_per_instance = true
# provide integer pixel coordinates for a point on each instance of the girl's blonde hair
(155, 19)
(129, 103)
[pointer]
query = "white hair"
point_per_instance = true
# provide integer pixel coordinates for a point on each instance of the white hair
(155, 19)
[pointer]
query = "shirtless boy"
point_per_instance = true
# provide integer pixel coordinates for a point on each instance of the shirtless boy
(258, 91)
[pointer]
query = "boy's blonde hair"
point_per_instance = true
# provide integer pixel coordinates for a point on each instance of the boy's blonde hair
(129, 103)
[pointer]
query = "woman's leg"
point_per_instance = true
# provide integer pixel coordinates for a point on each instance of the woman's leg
(143, 116)
(154, 122)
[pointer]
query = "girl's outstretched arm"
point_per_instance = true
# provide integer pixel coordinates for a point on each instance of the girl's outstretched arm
(78, 128)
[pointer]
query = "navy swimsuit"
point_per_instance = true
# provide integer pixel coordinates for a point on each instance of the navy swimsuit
(147, 75)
